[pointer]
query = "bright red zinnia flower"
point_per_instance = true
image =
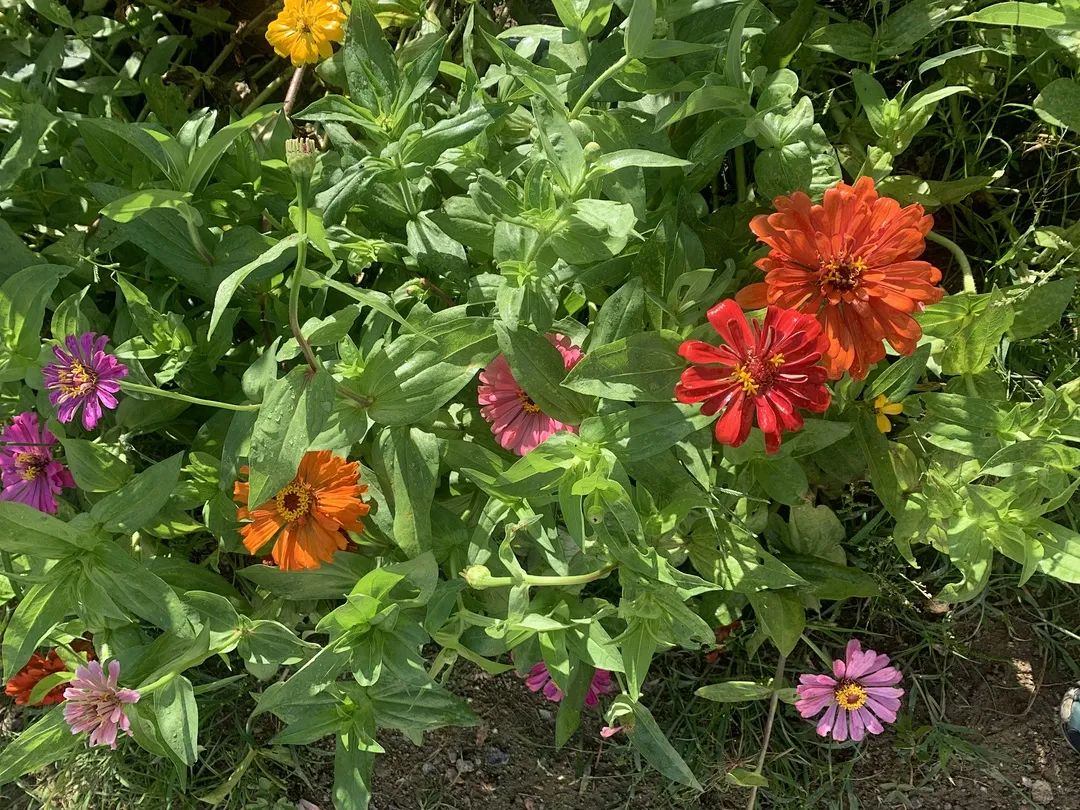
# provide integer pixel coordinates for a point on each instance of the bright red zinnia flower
(23, 682)
(769, 370)
(850, 262)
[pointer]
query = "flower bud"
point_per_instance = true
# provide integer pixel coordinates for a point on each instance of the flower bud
(476, 576)
(300, 154)
(592, 152)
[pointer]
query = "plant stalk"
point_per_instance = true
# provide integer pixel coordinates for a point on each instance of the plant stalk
(961, 259)
(777, 678)
(210, 403)
(624, 60)
(298, 273)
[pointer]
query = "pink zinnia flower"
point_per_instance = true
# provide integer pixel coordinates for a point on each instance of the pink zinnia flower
(85, 377)
(28, 470)
(539, 679)
(95, 704)
(860, 697)
(517, 422)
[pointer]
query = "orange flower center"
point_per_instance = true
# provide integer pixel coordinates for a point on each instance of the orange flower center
(850, 696)
(842, 273)
(294, 501)
(527, 403)
(29, 466)
(757, 373)
(76, 380)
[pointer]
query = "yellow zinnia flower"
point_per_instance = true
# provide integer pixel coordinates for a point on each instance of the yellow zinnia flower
(304, 30)
(883, 409)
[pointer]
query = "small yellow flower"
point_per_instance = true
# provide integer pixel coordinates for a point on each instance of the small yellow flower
(304, 30)
(883, 409)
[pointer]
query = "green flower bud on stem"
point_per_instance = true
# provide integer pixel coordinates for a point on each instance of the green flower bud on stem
(477, 576)
(300, 154)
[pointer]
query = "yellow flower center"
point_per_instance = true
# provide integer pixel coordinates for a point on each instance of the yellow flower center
(850, 696)
(29, 466)
(76, 380)
(755, 373)
(842, 273)
(526, 402)
(293, 502)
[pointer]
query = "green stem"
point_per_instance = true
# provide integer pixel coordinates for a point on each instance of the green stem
(624, 60)
(268, 91)
(740, 173)
(960, 256)
(210, 403)
(194, 16)
(969, 382)
(548, 581)
(773, 702)
(9, 569)
(298, 273)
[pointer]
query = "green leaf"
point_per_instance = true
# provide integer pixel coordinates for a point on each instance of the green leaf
(900, 376)
(25, 530)
(596, 230)
(645, 430)
(744, 778)
(650, 741)
(293, 413)
(227, 288)
(829, 580)
(417, 374)
(875, 448)
(95, 467)
(176, 715)
(138, 501)
(450, 133)
(539, 369)
(639, 28)
(207, 155)
(735, 691)
(412, 460)
(1037, 308)
(134, 205)
(42, 607)
(644, 367)
(272, 643)
(816, 531)
(1021, 15)
(970, 349)
(370, 69)
(781, 615)
(103, 136)
(621, 315)
(640, 158)
(23, 299)
(43, 743)
(353, 767)
(135, 589)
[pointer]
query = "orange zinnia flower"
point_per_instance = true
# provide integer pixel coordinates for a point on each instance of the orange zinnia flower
(308, 514)
(850, 262)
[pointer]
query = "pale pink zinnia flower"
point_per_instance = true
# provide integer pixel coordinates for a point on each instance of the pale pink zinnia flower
(28, 470)
(517, 422)
(95, 704)
(84, 377)
(862, 695)
(539, 680)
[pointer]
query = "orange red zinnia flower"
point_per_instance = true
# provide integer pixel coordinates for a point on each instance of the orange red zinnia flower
(309, 515)
(39, 667)
(852, 263)
(304, 29)
(765, 370)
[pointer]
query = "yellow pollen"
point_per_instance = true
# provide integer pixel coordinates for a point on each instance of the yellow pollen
(850, 696)
(843, 273)
(76, 380)
(742, 375)
(527, 403)
(777, 359)
(29, 466)
(293, 502)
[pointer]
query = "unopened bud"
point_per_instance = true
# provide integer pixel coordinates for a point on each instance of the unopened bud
(476, 576)
(300, 154)
(592, 151)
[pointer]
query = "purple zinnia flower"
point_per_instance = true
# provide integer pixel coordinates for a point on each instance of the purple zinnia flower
(85, 377)
(860, 697)
(540, 679)
(29, 472)
(94, 703)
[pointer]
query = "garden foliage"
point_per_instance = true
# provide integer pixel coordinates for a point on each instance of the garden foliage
(474, 191)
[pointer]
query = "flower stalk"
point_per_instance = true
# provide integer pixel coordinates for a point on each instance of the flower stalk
(479, 578)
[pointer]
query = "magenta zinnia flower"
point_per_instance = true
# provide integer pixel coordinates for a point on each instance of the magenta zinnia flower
(539, 679)
(517, 422)
(85, 377)
(862, 695)
(95, 704)
(29, 473)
